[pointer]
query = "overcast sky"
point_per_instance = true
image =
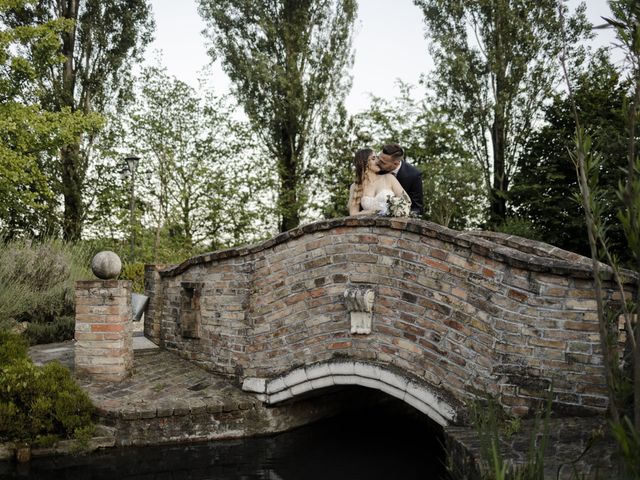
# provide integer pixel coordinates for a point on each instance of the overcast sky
(178, 37)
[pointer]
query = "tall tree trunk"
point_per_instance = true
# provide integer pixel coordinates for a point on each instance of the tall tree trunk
(72, 174)
(72, 192)
(498, 198)
(500, 181)
(287, 196)
(631, 191)
(156, 242)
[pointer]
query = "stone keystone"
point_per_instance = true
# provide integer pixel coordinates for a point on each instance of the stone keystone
(360, 306)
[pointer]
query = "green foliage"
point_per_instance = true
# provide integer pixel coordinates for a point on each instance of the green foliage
(545, 185)
(337, 172)
(82, 435)
(624, 404)
(74, 72)
(492, 425)
(628, 439)
(12, 347)
(37, 280)
(512, 426)
(495, 65)
(287, 62)
(37, 403)
(519, 226)
(201, 184)
(486, 420)
(59, 329)
(31, 133)
(134, 272)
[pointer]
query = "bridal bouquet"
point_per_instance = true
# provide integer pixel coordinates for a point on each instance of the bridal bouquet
(398, 207)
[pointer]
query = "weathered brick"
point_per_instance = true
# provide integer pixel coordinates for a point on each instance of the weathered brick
(581, 326)
(517, 295)
(547, 343)
(437, 265)
(445, 310)
(107, 327)
(580, 304)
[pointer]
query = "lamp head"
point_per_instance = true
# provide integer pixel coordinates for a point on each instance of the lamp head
(132, 162)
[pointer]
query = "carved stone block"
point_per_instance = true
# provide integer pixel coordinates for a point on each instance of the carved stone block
(360, 306)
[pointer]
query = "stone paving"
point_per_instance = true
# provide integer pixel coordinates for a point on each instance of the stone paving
(162, 384)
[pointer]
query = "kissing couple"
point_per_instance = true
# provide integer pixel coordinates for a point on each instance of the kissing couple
(383, 181)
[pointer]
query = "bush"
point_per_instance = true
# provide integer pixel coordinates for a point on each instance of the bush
(12, 348)
(134, 272)
(39, 404)
(58, 330)
(519, 226)
(37, 280)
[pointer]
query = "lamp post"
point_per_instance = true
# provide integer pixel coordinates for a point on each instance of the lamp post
(132, 163)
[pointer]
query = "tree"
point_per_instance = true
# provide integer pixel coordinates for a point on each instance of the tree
(622, 378)
(200, 182)
(30, 134)
(545, 183)
(337, 172)
(495, 64)
(99, 44)
(287, 60)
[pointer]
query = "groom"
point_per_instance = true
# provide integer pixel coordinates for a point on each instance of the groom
(391, 160)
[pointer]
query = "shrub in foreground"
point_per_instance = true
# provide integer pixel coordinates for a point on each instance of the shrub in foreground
(38, 404)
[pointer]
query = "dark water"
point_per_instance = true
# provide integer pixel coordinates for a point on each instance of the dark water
(387, 443)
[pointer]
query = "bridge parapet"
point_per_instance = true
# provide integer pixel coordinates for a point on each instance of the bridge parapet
(463, 312)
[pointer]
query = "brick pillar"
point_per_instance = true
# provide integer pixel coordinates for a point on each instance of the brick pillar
(153, 290)
(104, 342)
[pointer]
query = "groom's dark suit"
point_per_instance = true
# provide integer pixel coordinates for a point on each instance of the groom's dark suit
(411, 180)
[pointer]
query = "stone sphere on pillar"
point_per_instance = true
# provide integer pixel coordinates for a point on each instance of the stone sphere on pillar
(106, 265)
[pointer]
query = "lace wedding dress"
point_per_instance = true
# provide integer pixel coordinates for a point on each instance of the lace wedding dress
(377, 203)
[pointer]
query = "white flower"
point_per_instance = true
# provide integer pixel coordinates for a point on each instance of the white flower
(398, 207)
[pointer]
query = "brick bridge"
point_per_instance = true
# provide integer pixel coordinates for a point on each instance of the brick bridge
(427, 314)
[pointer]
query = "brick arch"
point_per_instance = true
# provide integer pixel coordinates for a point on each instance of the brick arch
(323, 375)
(466, 312)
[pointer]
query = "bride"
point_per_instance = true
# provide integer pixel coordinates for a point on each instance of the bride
(369, 194)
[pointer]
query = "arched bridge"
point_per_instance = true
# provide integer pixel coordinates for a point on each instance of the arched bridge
(425, 313)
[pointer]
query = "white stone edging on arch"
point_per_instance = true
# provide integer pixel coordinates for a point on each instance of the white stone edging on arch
(323, 375)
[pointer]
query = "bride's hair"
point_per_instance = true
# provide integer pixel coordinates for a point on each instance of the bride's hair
(361, 161)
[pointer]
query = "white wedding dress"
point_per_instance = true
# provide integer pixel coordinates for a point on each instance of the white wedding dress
(377, 203)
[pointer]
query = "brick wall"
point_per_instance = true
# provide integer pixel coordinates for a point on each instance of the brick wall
(104, 349)
(467, 312)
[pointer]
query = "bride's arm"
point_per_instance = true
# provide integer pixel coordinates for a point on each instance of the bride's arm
(397, 189)
(353, 208)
